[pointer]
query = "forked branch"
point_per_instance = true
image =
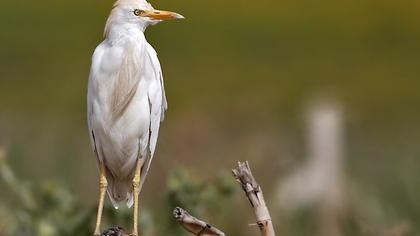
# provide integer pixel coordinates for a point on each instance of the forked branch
(253, 191)
(194, 225)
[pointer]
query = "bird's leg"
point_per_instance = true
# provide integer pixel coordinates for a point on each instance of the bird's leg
(103, 184)
(136, 191)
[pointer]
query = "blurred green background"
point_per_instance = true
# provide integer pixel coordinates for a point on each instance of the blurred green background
(239, 76)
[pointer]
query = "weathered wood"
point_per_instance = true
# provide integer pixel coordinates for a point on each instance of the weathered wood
(254, 193)
(194, 225)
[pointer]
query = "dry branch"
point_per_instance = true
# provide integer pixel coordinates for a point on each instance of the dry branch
(194, 225)
(254, 193)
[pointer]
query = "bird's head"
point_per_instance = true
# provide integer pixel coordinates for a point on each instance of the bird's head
(138, 13)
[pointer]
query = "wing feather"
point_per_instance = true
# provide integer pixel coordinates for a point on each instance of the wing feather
(129, 77)
(158, 105)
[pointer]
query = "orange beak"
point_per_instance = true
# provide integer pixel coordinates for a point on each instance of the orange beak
(163, 15)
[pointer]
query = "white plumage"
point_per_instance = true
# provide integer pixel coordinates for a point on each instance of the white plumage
(126, 103)
(126, 96)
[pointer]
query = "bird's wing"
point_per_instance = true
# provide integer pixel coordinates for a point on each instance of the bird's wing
(164, 106)
(116, 70)
(92, 88)
(158, 105)
(129, 75)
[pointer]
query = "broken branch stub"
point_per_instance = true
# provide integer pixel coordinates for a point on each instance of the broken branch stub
(255, 196)
(194, 225)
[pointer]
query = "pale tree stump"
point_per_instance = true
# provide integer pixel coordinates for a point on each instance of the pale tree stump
(253, 191)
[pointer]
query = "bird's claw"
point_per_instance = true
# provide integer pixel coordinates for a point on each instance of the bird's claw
(115, 231)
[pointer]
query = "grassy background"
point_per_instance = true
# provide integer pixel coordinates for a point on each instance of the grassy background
(238, 75)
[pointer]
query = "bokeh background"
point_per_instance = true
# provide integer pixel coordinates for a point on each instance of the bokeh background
(320, 96)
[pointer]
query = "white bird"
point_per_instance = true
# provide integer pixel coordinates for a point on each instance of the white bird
(126, 103)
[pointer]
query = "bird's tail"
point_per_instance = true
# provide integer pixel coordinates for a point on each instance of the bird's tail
(120, 190)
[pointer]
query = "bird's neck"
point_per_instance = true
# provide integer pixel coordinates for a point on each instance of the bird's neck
(124, 33)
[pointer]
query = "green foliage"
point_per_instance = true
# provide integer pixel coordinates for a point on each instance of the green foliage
(191, 192)
(46, 209)
(50, 209)
(204, 199)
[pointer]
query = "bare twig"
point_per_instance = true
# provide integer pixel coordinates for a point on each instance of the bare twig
(254, 193)
(194, 225)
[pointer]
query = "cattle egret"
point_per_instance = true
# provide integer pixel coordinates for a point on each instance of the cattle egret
(126, 103)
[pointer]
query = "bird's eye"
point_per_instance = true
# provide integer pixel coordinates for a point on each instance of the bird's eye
(138, 12)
